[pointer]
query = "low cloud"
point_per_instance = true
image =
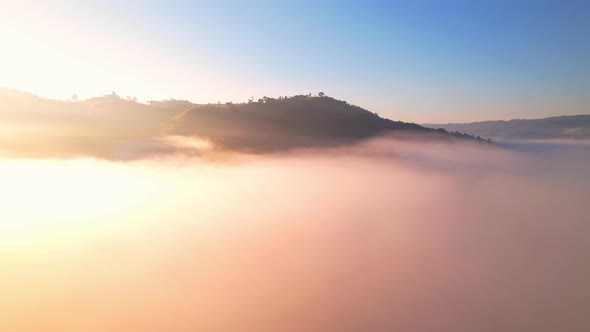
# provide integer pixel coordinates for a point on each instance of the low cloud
(384, 235)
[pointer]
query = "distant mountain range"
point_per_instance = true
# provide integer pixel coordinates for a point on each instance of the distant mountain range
(111, 126)
(571, 127)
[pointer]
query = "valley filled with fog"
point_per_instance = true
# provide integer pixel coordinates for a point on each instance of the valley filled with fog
(383, 235)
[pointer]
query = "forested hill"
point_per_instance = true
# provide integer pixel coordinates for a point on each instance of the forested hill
(302, 120)
(113, 126)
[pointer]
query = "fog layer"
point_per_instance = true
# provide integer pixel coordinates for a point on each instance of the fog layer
(382, 236)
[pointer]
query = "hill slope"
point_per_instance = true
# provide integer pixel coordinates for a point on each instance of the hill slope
(113, 127)
(297, 121)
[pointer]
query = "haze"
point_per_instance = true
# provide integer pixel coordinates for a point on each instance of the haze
(297, 166)
(385, 235)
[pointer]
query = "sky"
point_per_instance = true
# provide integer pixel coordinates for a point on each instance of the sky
(419, 61)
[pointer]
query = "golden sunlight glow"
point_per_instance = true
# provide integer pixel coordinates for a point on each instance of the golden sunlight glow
(45, 54)
(181, 244)
(41, 196)
(148, 182)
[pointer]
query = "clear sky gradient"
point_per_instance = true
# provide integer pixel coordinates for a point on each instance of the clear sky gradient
(419, 61)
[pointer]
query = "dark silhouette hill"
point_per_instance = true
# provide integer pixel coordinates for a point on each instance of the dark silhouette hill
(114, 127)
(298, 121)
(571, 127)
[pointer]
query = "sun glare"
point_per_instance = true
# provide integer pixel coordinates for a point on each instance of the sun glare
(50, 196)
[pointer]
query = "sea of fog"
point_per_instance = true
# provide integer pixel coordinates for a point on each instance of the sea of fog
(383, 236)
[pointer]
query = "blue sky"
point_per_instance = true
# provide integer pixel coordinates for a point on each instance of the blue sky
(422, 61)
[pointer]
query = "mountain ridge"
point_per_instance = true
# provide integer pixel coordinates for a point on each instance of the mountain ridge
(109, 125)
(285, 122)
(555, 127)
